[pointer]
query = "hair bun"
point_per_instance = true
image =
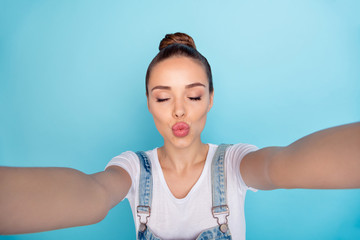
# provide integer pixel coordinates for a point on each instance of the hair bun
(180, 38)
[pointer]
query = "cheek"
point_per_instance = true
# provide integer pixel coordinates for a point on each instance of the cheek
(160, 115)
(159, 121)
(201, 109)
(199, 115)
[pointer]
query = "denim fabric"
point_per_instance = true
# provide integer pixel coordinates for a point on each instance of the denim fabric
(214, 233)
(145, 188)
(219, 209)
(218, 181)
(147, 235)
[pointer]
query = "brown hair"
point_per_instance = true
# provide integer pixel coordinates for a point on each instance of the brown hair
(179, 44)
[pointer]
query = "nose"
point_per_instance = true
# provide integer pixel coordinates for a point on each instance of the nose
(179, 110)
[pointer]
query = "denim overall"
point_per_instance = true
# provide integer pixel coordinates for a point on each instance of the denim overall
(220, 210)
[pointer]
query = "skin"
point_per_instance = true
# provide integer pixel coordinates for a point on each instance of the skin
(42, 199)
(179, 92)
(327, 159)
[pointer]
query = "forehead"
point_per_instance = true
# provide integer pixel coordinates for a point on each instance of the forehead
(178, 70)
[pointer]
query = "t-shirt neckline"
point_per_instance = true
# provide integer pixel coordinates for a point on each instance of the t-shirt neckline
(196, 185)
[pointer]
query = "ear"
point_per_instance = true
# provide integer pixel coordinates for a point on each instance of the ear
(211, 100)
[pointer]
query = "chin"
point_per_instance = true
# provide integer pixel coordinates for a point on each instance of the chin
(182, 142)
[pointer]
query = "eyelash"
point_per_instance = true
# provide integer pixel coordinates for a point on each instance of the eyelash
(195, 98)
(162, 99)
(191, 98)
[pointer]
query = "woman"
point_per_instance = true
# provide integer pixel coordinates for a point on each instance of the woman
(185, 189)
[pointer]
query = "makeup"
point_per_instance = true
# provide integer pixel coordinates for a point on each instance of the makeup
(181, 129)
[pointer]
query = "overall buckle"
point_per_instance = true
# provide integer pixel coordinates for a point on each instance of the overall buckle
(221, 214)
(143, 216)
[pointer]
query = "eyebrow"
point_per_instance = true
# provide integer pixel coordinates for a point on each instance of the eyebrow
(197, 84)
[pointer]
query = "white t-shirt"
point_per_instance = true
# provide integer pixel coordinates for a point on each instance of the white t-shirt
(185, 218)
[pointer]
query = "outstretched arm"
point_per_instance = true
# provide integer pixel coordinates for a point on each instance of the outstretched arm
(327, 159)
(42, 199)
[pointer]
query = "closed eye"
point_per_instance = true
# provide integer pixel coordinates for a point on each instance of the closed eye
(162, 99)
(195, 98)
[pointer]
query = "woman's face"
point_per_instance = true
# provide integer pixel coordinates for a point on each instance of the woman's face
(179, 100)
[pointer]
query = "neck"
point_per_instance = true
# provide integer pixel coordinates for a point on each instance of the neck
(180, 159)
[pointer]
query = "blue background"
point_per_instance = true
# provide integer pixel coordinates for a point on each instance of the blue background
(72, 93)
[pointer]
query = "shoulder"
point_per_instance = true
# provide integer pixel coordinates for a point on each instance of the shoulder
(233, 158)
(128, 158)
(129, 161)
(239, 150)
(234, 151)
(125, 158)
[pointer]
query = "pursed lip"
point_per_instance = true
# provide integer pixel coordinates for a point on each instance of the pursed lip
(180, 129)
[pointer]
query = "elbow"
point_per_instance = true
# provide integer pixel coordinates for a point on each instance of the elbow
(95, 204)
(100, 214)
(102, 206)
(99, 217)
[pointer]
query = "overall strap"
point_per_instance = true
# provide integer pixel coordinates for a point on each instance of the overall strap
(220, 209)
(145, 190)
